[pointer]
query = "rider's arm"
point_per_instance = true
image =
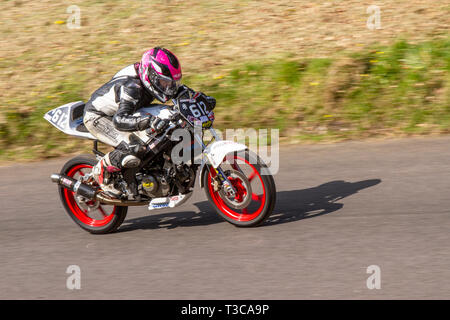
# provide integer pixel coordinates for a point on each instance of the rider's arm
(123, 120)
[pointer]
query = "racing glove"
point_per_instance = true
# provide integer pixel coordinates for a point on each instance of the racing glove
(158, 124)
(211, 102)
(143, 124)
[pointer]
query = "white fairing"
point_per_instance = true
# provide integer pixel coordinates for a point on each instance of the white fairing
(218, 150)
(157, 110)
(69, 119)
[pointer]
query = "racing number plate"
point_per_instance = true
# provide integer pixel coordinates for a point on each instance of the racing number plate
(196, 110)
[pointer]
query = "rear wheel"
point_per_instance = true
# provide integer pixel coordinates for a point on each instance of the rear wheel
(255, 193)
(89, 214)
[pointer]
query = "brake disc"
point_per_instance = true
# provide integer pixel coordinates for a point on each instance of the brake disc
(231, 200)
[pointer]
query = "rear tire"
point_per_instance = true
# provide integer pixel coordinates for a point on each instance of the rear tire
(265, 202)
(107, 223)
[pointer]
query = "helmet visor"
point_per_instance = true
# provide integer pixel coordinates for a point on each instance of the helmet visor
(166, 85)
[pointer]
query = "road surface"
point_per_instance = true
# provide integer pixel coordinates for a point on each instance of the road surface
(340, 209)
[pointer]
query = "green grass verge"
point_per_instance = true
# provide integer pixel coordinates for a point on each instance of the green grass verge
(401, 89)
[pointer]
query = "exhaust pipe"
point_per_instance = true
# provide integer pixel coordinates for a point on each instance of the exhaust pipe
(120, 203)
(74, 185)
(91, 193)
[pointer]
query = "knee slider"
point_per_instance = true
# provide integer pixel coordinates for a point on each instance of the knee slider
(130, 161)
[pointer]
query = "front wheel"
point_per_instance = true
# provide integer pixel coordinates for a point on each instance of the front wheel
(89, 215)
(254, 192)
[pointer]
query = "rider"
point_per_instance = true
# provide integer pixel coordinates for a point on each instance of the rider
(109, 112)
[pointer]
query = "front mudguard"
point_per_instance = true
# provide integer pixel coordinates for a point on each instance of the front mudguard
(215, 153)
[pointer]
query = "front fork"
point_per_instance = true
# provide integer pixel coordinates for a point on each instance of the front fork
(221, 180)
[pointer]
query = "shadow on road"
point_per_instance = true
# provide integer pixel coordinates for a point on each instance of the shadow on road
(313, 202)
(291, 206)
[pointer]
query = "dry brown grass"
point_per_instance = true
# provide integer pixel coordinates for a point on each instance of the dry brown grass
(35, 52)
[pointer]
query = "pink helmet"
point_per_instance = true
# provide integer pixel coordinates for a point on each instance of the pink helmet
(160, 72)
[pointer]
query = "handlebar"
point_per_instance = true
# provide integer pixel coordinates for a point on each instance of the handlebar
(153, 134)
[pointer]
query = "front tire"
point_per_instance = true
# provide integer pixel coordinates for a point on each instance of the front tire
(242, 211)
(90, 216)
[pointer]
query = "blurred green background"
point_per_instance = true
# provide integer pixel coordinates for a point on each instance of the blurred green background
(311, 68)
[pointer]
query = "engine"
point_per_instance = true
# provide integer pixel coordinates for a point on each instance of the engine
(155, 186)
(166, 181)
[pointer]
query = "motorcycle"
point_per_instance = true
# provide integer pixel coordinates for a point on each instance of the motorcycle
(236, 181)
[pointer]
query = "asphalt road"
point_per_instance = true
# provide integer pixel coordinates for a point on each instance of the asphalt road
(340, 209)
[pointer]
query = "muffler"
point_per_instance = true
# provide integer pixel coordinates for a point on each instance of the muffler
(91, 193)
(74, 185)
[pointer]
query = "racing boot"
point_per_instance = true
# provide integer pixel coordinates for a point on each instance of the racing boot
(102, 174)
(114, 161)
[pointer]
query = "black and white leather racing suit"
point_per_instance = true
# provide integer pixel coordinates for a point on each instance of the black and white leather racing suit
(109, 112)
(109, 117)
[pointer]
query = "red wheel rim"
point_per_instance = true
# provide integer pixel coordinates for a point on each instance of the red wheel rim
(243, 214)
(80, 213)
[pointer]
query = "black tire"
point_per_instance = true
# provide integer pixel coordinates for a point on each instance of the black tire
(112, 223)
(269, 187)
